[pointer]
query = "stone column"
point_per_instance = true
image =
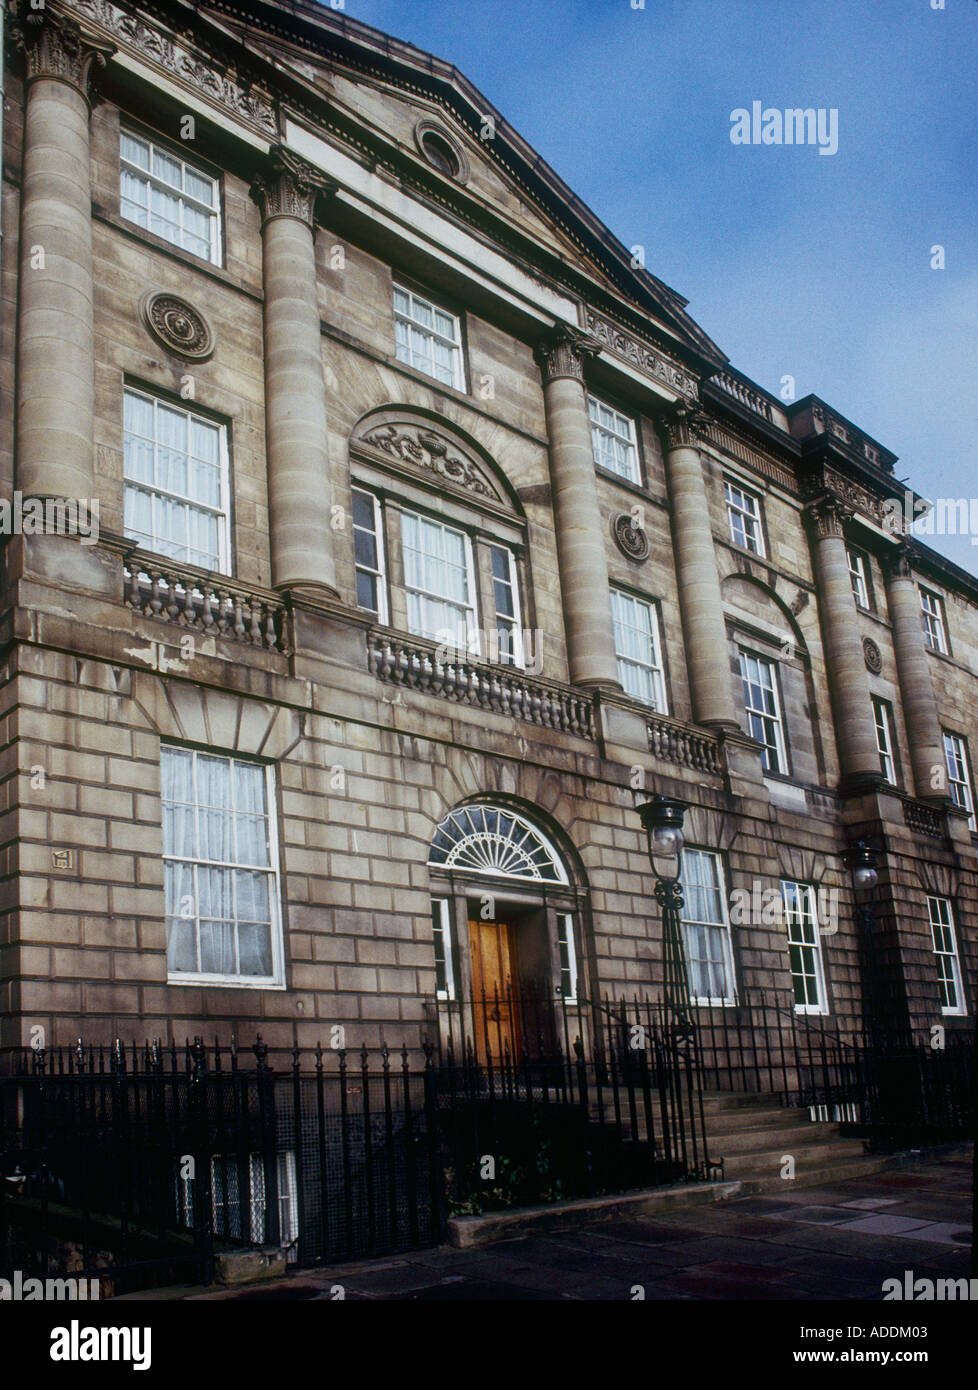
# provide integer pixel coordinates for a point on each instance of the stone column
(295, 391)
(855, 729)
(913, 670)
(700, 604)
(56, 331)
(580, 537)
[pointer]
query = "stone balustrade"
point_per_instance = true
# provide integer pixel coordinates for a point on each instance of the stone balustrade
(740, 391)
(925, 819)
(210, 604)
(425, 667)
(673, 742)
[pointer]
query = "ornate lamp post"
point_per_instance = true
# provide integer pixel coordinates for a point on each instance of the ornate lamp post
(863, 860)
(662, 818)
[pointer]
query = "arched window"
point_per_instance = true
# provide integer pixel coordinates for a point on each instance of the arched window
(496, 841)
(439, 540)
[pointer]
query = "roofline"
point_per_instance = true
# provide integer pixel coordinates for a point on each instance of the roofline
(339, 31)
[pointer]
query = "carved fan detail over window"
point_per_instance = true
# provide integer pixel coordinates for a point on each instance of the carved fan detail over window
(494, 840)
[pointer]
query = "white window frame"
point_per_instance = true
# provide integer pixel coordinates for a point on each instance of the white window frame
(885, 740)
(213, 211)
(442, 908)
(473, 645)
(858, 578)
(222, 513)
(628, 663)
(729, 999)
(621, 429)
(944, 938)
(957, 761)
(273, 871)
(747, 506)
(777, 718)
(513, 584)
(808, 916)
(380, 575)
(567, 952)
(934, 622)
(414, 326)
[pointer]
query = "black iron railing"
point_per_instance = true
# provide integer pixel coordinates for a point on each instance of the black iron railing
(883, 1085)
(586, 1096)
(141, 1165)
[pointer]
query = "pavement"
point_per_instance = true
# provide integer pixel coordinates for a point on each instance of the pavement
(836, 1242)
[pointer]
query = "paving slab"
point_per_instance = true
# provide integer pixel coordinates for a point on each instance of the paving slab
(885, 1224)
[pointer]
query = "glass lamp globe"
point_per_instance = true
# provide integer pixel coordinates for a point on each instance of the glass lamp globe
(667, 840)
(865, 876)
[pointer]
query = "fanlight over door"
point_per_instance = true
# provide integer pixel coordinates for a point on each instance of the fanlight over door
(498, 842)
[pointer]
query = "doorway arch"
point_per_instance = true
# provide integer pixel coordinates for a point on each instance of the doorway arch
(507, 919)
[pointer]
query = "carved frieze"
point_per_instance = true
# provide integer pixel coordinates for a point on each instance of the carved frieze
(215, 81)
(424, 449)
(178, 326)
(631, 539)
(651, 363)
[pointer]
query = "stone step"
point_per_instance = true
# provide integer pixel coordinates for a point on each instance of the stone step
(788, 1137)
(764, 1183)
(754, 1121)
(718, 1102)
(765, 1163)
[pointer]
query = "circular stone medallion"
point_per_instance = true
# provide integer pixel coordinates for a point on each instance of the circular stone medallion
(630, 539)
(872, 655)
(178, 326)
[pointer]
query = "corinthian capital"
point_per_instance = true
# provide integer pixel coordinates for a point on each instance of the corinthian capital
(684, 424)
(57, 47)
(826, 516)
(897, 562)
(564, 351)
(289, 187)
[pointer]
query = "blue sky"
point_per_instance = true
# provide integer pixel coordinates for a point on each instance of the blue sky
(817, 266)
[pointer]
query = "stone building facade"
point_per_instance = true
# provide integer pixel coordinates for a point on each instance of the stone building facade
(433, 537)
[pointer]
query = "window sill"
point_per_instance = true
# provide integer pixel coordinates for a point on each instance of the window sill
(219, 982)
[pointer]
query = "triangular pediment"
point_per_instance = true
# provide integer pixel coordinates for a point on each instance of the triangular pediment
(380, 90)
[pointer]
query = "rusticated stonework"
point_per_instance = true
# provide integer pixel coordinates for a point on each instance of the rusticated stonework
(178, 326)
(653, 364)
(873, 656)
(289, 187)
(425, 450)
(631, 540)
(564, 351)
(55, 46)
(219, 84)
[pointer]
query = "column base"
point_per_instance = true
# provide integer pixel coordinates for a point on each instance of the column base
(861, 784)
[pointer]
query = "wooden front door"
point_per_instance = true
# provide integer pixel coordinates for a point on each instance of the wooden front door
(495, 1004)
